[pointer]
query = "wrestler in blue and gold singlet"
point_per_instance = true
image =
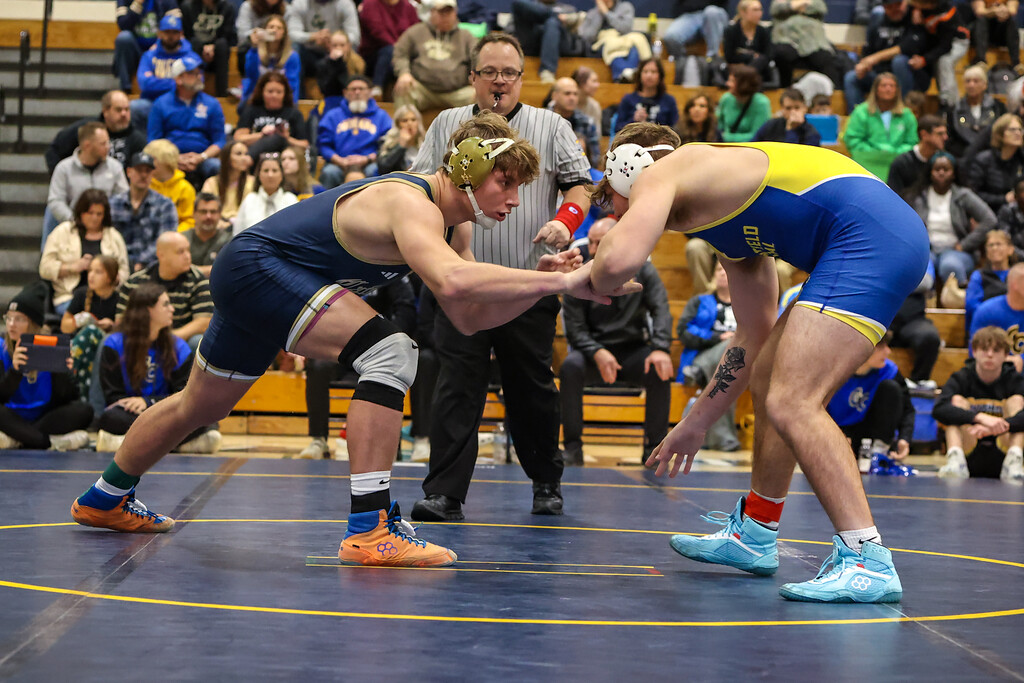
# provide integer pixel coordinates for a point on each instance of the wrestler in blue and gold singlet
(865, 248)
(271, 281)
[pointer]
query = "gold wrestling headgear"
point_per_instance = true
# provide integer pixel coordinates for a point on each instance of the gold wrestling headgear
(473, 159)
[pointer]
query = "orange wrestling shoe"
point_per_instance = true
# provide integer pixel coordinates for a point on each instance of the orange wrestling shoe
(128, 515)
(392, 543)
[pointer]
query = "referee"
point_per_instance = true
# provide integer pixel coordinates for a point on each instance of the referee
(523, 347)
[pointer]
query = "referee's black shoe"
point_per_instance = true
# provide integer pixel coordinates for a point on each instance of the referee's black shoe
(547, 498)
(438, 507)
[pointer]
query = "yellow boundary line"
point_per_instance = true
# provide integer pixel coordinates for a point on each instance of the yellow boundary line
(497, 620)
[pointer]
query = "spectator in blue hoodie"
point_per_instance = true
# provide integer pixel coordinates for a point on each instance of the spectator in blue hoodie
(350, 133)
(137, 21)
(154, 76)
(191, 119)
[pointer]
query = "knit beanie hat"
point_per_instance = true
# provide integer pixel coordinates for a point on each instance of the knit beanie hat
(31, 301)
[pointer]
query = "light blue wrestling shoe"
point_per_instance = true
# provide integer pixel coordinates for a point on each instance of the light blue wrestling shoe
(850, 577)
(742, 543)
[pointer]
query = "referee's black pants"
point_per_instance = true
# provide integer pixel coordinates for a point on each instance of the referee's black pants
(523, 348)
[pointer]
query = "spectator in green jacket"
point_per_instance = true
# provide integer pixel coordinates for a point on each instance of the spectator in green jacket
(880, 128)
(742, 110)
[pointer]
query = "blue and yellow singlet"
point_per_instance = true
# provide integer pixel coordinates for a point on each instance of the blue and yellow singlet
(865, 248)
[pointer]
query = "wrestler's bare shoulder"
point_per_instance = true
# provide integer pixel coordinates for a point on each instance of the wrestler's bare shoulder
(366, 220)
(711, 182)
(713, 162)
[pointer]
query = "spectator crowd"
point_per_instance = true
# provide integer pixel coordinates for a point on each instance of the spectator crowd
(143, 196)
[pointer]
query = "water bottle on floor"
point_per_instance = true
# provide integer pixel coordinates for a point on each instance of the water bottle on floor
(864, 456)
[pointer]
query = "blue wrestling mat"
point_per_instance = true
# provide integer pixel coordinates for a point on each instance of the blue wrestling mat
(247, 586)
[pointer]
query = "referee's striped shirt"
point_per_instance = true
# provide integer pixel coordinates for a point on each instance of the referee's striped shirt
(562, 166)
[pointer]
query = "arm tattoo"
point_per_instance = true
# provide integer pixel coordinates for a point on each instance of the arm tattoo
(733, 362)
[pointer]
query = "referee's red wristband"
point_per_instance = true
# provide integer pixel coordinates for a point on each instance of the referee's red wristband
(571, 215)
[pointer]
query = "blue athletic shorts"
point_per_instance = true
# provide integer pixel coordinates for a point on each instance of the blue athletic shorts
(263, 304)
(875, 254)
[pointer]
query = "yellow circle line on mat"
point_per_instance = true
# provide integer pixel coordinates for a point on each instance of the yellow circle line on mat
(701, 489)
(498, 620)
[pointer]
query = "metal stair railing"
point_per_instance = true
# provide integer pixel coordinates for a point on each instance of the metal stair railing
(47, 13)
(23, 57)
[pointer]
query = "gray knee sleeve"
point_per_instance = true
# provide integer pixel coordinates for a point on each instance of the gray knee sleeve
(385, 359)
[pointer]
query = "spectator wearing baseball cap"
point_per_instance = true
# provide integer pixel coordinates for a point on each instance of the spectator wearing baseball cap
(38, 409)
(191, 119)
(142, 214)
(432, 61)
(154, 75)
(138, 21)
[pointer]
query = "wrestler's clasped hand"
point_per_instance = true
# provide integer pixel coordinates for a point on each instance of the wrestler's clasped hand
(563, 261)
(579, 286)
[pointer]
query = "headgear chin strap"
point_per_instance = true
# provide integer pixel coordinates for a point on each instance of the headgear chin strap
(624, 164)
(468, 166)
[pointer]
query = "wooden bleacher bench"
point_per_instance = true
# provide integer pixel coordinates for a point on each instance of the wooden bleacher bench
(276, 403)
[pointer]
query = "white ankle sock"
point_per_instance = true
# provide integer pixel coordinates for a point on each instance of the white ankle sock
(1014, 450)
(856, 538)
(108, 488)
(955, 450)
(370, 482)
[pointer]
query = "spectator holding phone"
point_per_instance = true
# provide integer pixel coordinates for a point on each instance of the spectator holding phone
(142, 363)
(271, 122)
(272, 51)
(39, 409)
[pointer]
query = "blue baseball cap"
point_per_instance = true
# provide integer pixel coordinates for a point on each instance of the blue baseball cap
(187, 62)
(170, 22)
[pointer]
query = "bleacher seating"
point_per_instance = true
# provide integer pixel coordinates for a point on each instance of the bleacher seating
(272, 403)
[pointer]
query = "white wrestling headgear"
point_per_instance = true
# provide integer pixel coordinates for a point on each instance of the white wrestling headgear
(469, 163)
(624, 164)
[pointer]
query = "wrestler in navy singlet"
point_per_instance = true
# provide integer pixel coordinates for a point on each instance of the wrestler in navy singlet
(271, 281)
